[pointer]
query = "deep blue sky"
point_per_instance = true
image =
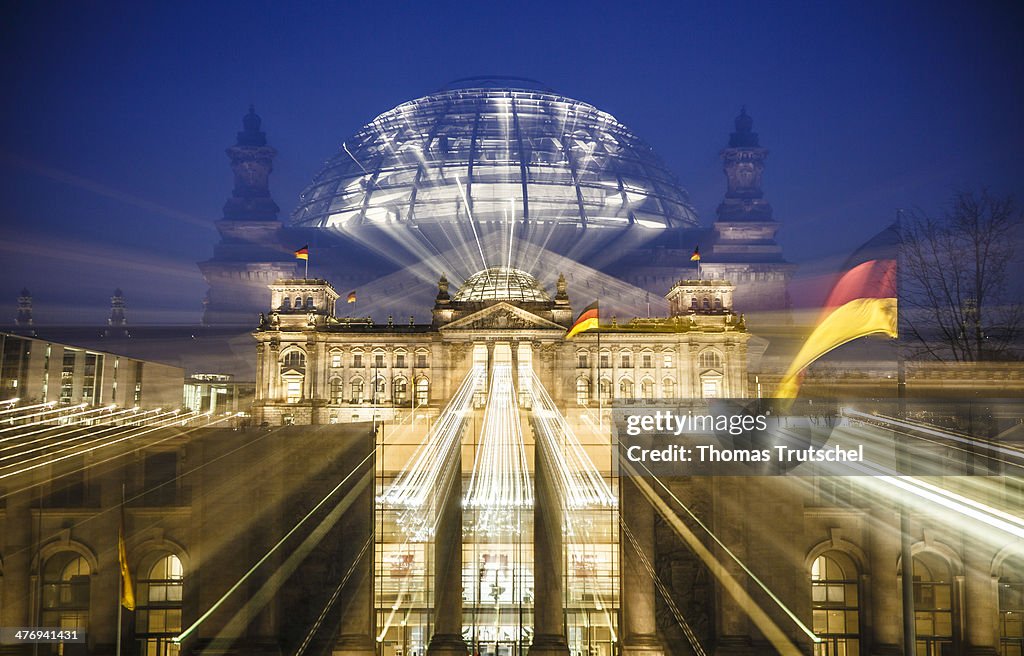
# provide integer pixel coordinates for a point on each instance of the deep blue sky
(115, 117)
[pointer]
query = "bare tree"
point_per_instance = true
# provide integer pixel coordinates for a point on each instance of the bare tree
(956, 296)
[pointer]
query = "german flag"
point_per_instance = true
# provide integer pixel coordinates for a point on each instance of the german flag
(588, 320)
(862, 302)
(696, 254)
(302, 253)
(351, 297)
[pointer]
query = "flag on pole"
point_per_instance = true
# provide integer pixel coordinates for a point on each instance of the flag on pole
(696, 254)
(302, 253)
(862, 302)
(127, 590)
(351, 297)
(588, 320)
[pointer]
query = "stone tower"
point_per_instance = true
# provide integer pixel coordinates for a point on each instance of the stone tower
(744, 250)
(24, 318)
(249, 255)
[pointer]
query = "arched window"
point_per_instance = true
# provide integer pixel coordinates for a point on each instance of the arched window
(158, 601)
(357, 390)
(380, 390)
(66, 579)
(710, 359)
(933, 604)
(309, 303)
(422, 391)
(835, 605)
(707, 303)
(668, 388)
(625, 389)
(400, 391)
(718, 303)
(693, 303)
(647, 389)
(1011, 607)
(582, 391)
(294, 359)
(336, 390)
(605, 389)
(298, 302)
(286, 304)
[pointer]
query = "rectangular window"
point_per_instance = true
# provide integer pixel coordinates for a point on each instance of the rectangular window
(668, 361)
(582, 361)
(648, 361)
(357, 360)
(625, 362)
(606, 361)
(378, 360)
(335, 360)
(421, 360)
(400, 360)
(294, 391)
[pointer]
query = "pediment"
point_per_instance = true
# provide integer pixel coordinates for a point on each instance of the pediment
(502, 316)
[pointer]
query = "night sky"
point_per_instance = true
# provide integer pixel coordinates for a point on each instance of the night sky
(115, 117)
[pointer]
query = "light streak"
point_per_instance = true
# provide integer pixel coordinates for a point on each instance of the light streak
(23, 408)
(69, 420)
(472, 221)
(40, 414)
(22, 451)
(202, 618)
(89, 450)
(660, 504)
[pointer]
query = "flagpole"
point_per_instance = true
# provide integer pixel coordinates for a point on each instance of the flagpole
(306, 276)
(600, 397)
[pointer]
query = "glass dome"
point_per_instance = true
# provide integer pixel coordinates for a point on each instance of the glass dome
(490, 152)
(502, 284)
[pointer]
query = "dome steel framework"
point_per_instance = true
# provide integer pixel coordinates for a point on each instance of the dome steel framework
(502, 284)
(494, 154)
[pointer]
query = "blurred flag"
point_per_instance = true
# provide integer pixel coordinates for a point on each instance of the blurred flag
(351, 297)
(302, 253)
(588, 320)
(696, 254)
(862, 302)
(127, 590)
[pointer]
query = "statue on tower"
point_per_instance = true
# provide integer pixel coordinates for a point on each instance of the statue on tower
(251, 162)
(743, 162)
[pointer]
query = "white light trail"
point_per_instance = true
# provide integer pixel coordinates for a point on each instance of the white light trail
(40, 414)
(472, 222)
(69, 420)
(61, 437)
(501, 474)
(23, 408)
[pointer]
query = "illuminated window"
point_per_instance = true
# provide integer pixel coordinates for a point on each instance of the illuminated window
(336, 390)
(668, 361)
(66, 583)
(1011, 607)
(335, 359)
(625, 389)
(709, 388)
(357, 391)
(835, 610)
(710, 359)
(668, 387)
(605, 389)
(379, 390)
(158, 601)
(647, 389)
(294, 360)
(582, 391)
(294, 391)
(933, 605)
(422, 391)
(400, 391)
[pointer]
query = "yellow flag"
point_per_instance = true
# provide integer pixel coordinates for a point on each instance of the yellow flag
(127, 589)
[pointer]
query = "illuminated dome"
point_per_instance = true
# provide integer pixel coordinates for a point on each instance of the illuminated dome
(497, 150)
(502, 284)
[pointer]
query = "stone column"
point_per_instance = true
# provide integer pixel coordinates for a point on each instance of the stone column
(355, 637)
(730, 505)
(447, 639)
(982, 602)
(548, 616)
(639, 623)
(887, 638)
(16, 591)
